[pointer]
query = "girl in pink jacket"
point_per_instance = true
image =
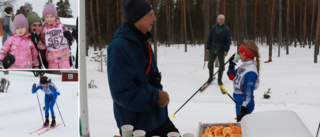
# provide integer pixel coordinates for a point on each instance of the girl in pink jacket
(57, 39)
(19, 51)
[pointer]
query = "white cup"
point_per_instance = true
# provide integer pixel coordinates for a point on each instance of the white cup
(173, 134)
(236, 58)
(126, 130)
(139, 133)
(187, 135)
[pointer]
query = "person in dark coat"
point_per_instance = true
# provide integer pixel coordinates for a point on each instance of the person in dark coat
(218, 46)
(134, 78)
(7, 25)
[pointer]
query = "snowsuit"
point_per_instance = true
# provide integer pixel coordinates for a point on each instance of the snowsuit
(218, 42)
(134, 98)
(245, 81)
(49, 98)
(7, 26)
(23, 50)
(57, 46)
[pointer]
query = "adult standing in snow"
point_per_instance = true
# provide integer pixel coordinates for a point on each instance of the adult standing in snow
(51, 93)
(35, 27)
(218, 45)
(245, 78)
(134, 78)
(7, 25)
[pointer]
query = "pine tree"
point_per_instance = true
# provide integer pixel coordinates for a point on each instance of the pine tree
(63, 9)
(24, 9)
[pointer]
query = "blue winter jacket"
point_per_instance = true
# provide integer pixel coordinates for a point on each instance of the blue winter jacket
(134, 99)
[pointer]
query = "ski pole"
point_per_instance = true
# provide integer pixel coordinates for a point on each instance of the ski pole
(34, 32)
(59, 110)
(318, 130)
(174, 115)
(227, 93)
(40, 107)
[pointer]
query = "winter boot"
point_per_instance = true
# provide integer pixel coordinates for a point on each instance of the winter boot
(53, 122)
(46, 123)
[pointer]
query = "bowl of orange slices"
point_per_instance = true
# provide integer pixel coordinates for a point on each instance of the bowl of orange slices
(219, 130)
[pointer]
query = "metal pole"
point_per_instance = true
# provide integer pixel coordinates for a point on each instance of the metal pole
(40, 107)
(84, 116)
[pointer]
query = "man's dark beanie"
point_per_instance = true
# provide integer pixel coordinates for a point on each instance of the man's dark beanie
(136, 9)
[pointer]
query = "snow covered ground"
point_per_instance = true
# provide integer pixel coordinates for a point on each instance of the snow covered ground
(293, 80)
(19, 109)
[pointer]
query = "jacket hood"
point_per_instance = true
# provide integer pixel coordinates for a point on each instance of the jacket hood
(5, 14)
(131, 33)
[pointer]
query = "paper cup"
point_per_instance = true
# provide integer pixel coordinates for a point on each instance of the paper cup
(126, 130)
(139, 133)
(187, 135)
(173, 134)
(236, 58)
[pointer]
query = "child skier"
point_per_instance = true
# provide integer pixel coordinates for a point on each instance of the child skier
(19, 51)
(245, 78)
(51, 93)
(57, 39)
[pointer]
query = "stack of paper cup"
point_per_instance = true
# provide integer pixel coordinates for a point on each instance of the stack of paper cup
(126, 130)
(173, 134)
(139, 133)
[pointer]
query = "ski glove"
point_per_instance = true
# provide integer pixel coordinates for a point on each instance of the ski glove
(35, 38)
(34, 88)
(1, 65)
(155, 80)
(231, 63)
(163, 99)
(243, 112)
(68, 36)
(54, 90)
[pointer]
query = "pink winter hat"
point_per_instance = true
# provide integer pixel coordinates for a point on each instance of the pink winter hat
(20, 21)
(49, 9)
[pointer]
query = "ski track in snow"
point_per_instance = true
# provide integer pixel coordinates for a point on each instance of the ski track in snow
(292, 79)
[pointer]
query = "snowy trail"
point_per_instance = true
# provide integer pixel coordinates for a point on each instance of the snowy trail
(19, 109)
(292, 78)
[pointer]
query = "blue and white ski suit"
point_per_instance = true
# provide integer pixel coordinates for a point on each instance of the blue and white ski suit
(245, 81)
(51, 93)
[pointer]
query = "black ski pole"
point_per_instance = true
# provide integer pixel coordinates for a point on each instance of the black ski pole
(227, 93)
(59, 110)
(225, 63)
(40, 107)
(174, 115)
(318, 130)
(34, 32)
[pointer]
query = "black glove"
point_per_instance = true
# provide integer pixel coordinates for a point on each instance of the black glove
(68, 36)
(155, 79)
(75, 33)
(231, 63)
(35, 39)
(243, 112)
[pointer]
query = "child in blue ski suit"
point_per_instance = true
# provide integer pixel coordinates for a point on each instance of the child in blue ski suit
(51, 93)
(245, 78)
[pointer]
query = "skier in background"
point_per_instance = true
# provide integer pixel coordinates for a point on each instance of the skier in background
(245, 78)
(218, 46)
(51, 93)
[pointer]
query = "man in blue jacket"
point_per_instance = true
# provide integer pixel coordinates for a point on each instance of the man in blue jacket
(218, 46)
(134, 78)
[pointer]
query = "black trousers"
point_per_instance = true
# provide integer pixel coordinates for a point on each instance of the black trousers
(163, 130)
